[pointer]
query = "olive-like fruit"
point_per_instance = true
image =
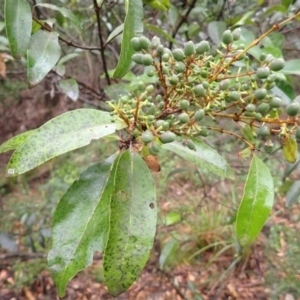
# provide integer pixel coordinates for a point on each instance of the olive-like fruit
(159, 123)
(263, 72)
(263, 108)
(260, 94)
(275, 102)
(165, 57)
(277, 64)
(135, 133)
(264, 131)
(135, 43)
(144, 42)
(262, 56)
(269, 58)
(233, 96)
(184, 104)
(236, 34)
(268, 146)
(200, 90)
(297, 134)
(147, 59)
(138, 58)
(174, 80)
(147, 137)
(183, 118)
(258, 116)
(155, 42)
(224, 84)
(179, 67)
(190, 144)
(167, 137)
(189, 48)
(227, 37)
(150, 88)
(160, 50)
(178, 54)
(199, 115)
(293, 109)
(155, 148)
(166, 124)
(205, 84)
(250, 107)
(202, 47)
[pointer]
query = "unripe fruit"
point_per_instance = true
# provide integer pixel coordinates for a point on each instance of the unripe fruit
(184, 104)
(161, 105)
(144, 42)
(155, 42)
(275, 102)
(135, 43)
(227, 37)
(202, 47)
(263, 72)
(189, 48)
(258, 116)
(150, 72)
(236, 33)
(166, 124)
(150, 88)
(298, 133)
(199, 115)
(293, 109)
(205, 84)
(141, 86)
(268, 146)
(224, 84)
(159, 123)
(183, 118)
(165, 57)
(269, 58)
(135, 133)
(138, 58)
(250, 107)
(269, 86)
(179, 67)
(233, 96)
(200, 90)
(260, 94)
(263, 108)
(245, 87)
(167, 137)
(155, 148)
(277, 64)
(190, 145)
(174, 80)
(147, 60)
(151, 110)
(262, 57)
(264, 131)
(160, 50)
(147, 137)
(178, 54)
(204, 132)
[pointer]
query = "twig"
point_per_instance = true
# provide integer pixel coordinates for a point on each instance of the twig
(97, 11)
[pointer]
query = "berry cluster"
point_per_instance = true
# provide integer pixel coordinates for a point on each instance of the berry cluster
(195, 83)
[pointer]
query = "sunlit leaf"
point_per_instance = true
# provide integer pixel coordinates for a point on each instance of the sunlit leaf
(18, 22)
(69, 131)
(172, 218)
(204, 157)
(158, 4)
(70, 87)
(132, 223)
(133, 26)
(256, 204)
(81, 223)
(290, 149)
(43, 53)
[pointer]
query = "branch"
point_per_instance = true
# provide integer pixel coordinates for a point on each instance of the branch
(97, 11)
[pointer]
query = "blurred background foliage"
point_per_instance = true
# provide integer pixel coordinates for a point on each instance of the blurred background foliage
(197, 210)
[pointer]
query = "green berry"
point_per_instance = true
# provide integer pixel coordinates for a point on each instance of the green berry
(199, 115)
(275, 102)
(155, 148)
(166, 124)
(264, 131)
(179, 67)
(298, 133)
(150, 72)
(260, 94)
(263, 72)
(178, 54)
(236, 34)
(250, 107)
(151, 110)
(135, 43)
(233, 96)
(227, 37)
(147, 137)
(258, 116)
(167, 137)
(245, 87)
(147, 59)
(165, 57)
(144, 43)
(268, 146)
(141, 86)
(202, 47)
(189, 48)
(138, 58)
(150, 88)
(204, 132)
(190, 144)
(277, 64)
(200, 90)
(159, 123)
(155, 42)
(205, 84)
(174, 80)
(293, 109)
(269, 86)
(263, 108)
(161, 105)
(135, 133)
(183, 118)
(269, 58)
(160, 50)
(262, 57)
(224, 84)
(184, 104)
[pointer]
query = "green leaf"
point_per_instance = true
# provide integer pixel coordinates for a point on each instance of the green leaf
(15, 141)
(18, 22)
(256, 204)
(274, 40)
(117, 31)
(70, 87)
(115, 91)
(69, 131)
(43, 54)
(287, 3)
(161, 32)
(133, 26)
(292, 67)
(248, 133)
(81, 223)
(132, 223)
(158, 4)
(215, 30)
(285, 91)
(172, 218)
(65, 12)
(204, 157)
(167, 252)
(273, 8)
(290, 149)
(293, 194)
